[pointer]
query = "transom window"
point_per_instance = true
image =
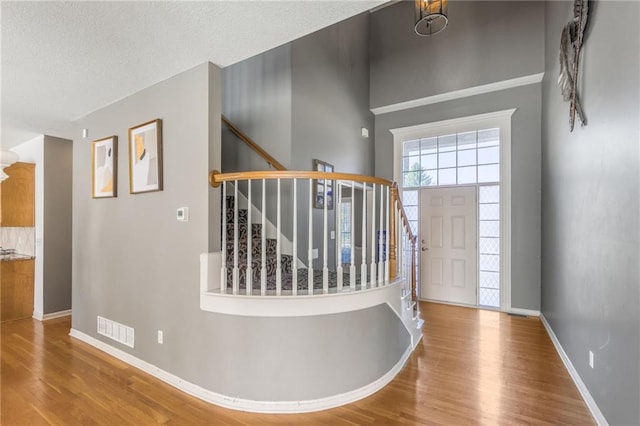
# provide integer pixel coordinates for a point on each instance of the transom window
(453, 159)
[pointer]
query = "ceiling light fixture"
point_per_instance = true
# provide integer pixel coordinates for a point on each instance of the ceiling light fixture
(431, 16)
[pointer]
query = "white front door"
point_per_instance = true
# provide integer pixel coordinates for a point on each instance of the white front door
(448, 244)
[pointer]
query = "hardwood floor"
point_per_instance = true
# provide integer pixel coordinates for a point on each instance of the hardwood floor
(472, 367)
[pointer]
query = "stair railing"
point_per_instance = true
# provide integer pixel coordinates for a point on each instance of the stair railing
(252, 144)
(382, 259)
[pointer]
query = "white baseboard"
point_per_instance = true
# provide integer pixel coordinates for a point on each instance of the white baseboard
(54, 315)
(520, 311)
(38, 315)
(582, 388)
(246, 404)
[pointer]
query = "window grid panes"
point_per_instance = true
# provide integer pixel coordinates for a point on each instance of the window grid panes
(455, 159)
(489, 245)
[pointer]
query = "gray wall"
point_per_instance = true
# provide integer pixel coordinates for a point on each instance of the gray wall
(257, 99)
(135, 264)
(304, 100)
(57, 227)
(590, 214)
(330, 106)
(525, 172)
(485, 42)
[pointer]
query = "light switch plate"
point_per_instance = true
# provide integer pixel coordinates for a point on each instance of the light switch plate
(183, 214)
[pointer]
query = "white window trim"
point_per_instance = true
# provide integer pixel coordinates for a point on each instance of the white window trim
(500, 119)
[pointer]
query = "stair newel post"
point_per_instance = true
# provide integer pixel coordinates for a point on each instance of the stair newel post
(338, 212)
(249, 271)
(236, 226)
(223, 271)
(325, 230)
(373, 236)
(381, 239)
(278, 246)
(263, 242)
(352, 268)
(391, 253)
(310, 250)
(294, 261)
(363, 266)
(387, 236)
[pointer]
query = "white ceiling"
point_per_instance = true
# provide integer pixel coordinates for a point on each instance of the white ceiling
(64, 60)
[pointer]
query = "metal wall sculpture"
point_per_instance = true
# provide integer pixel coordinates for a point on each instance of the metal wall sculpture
(570, 45)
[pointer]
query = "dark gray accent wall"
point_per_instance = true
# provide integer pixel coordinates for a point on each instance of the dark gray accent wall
(525, 172)
(590, 207)
(330, 106)
(257, 99)
(485, 42)
(57, 227)
(305, 100)
(134, 263)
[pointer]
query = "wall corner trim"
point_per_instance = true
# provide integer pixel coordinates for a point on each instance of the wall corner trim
(234, 403)
(462, 93)
(582, 388)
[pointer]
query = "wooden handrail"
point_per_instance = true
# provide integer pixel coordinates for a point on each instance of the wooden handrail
(254, 146)
(216, 178)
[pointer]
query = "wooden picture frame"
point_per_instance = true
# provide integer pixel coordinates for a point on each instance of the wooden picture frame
(104, 167)
(145, 157)
(319, 186)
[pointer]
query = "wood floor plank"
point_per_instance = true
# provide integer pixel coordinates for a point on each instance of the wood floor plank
(472, 367)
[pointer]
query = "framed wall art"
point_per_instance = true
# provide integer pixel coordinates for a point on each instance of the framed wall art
(145, 157)
(104, 164)
(320, 184)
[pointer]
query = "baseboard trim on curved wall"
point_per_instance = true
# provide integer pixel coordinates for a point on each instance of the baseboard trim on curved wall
(246, 404)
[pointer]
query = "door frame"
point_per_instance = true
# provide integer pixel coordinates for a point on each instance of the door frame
(500, 119)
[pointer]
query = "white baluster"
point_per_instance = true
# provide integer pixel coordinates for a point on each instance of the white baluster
(352, 269)
(294, 261)
(278, 248)
(223, 271)
(363, 267)
(248, 275)
(236, 226)
(325, 268)
(263, 241)
(388, 236)
(381, 239)
(373, 236)
(338, 209)
(310, 251)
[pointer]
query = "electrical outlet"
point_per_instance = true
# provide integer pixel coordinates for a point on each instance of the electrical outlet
(160, 337)
(333, 235)
(591, 359)
(314, 253)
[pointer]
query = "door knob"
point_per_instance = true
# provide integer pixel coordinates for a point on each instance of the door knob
(424, 248)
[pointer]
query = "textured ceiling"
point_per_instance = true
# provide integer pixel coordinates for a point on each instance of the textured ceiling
(63, 60)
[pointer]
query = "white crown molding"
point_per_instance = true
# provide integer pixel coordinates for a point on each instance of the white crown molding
(582, 388)
(246, 404)
(458, 94)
